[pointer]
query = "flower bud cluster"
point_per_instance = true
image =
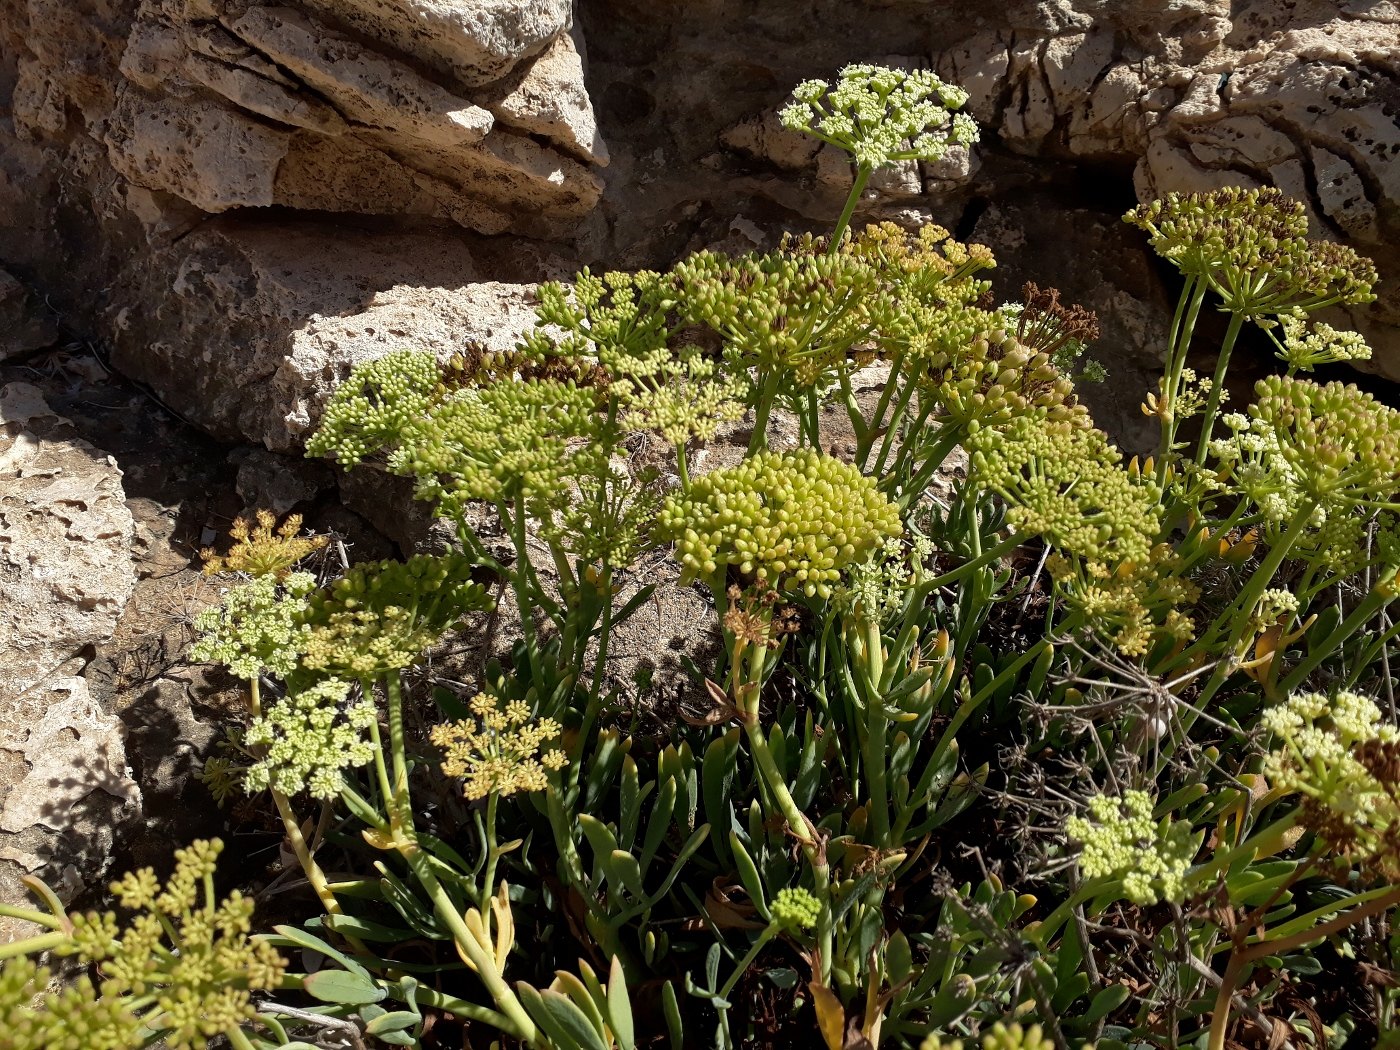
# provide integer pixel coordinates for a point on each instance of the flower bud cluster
(498, 752)
(795, 909)
(794, 521)
(1135, 603)
(255, 628)
(191, 956)
(1302, 444)
(1252, 247)
(993, 378)
(796, 313)
(1121, 841)
(924, 267)
(620, 322)
(1002, 1037)
(524, 439)
(373, 410)
(72, 1018)
(311, 736)
(381, 615)
(881, 115)
(1067, 484)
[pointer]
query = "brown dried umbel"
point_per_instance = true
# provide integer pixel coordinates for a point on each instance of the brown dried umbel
(1047, 325)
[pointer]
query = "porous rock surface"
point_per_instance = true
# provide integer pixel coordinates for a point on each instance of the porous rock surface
(65, 577)
(65, 542)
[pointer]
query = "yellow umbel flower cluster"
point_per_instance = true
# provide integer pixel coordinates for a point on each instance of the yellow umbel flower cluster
(190, 958)
(498, 752)
(793, 521)
(261, 547)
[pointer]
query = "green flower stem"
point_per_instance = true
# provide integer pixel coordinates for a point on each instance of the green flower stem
(948, 438)
(896, 418)
(1243, 957)
(877, 419)
(519, 580)
(746, 697)
(876, 757)
(486, 889)
(519, 1024)
(1235, 618)
(682, 469)
(1349, 627)
(400, 812)
(767, 934)
(406, 841)
(38, 918)
(863, 172)
(1264, 842)
(1044, 931)
(1217, 386)
(451, 1004)
(1371, 653)
(1305, 922)
(238, 1039)
(858, 424)
(763, 407)
(315, 877)
(1183, 327)
(33, 945)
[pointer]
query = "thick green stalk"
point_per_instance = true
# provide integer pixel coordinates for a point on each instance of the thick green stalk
(472, 952)
(1183, 327)
(763, 407)
(1217, 388)
(863, 172)
(33, 945)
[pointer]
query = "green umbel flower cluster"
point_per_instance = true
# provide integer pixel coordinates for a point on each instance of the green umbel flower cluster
(926, 267)
(1305, 346)
(1067, 484)
(1343, 757)
(1252, 247)
(1304, 445)
(380, 402)
(794, 521)
(620, 322)
(1122, 841)
(517, 437)
(795, 909)
(875, 589)
(311, 736)
(1002, 1037)
(1133, 604)
(189, 955)
(796, 314)
(881, 115)
(380, 616)
(73, 1018)
(255, 628)
(993, 379)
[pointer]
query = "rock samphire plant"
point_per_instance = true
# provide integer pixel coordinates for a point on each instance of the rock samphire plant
(1155, 691)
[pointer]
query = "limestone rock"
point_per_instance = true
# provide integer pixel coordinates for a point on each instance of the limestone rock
(550, 99)
(270, 106)
(475, 41)
(65, 789)
(65, 542)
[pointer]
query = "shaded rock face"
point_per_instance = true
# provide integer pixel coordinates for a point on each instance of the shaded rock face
(243, 198)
